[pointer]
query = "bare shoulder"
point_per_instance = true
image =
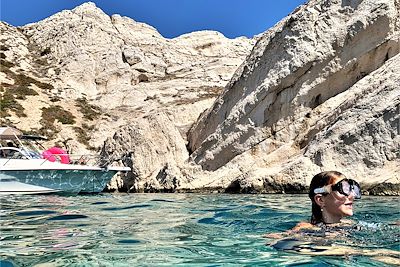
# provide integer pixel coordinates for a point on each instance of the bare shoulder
(304, 225)
(292, 232)
(347, 222)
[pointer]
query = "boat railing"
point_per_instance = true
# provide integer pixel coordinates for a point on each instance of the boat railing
(79, 159)
(12, 153)
(84, 159)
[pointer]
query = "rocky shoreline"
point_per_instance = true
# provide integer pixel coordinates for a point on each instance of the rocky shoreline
(381, 189)
(203, 113)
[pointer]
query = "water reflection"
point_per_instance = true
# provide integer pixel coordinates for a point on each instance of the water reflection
(171, 229)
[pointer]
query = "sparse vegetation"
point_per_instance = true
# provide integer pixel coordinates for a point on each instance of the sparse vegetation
(149, 97)
(4, 48)
(22, 79)
(45, 51)
(55, 98)
(20, 92)
(204, 46)
(8, 102)
(17, 91)
(41, 61)
(52, 113)
(89, 112)
(83, 135)
(49, 115)
(206, 92)
(4, 85)
(5, 64)
(22, 87)
(212, 91)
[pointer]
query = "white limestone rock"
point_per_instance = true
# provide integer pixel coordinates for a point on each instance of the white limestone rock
(125, 68)
(318, 91)
(153, 147)
(305, 83)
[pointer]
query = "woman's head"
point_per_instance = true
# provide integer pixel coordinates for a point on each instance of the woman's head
(332, 196)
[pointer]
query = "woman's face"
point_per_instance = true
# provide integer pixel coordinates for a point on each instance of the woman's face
(335, 206)
(338, 205)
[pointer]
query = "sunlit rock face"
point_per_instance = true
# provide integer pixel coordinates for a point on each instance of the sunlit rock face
(319, 91)
(88, 73)
(128, 68)
(154, 148)
(124, 68)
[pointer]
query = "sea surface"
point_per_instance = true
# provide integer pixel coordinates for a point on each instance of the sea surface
(177, 230)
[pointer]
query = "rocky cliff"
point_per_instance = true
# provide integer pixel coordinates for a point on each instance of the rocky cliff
(318, 91)
(79, 74)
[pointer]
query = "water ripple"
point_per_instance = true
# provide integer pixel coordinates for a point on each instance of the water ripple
(173, 230)
(128, 207)
(67, 217)
(34, 213)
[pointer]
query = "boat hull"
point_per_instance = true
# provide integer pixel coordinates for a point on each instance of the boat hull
(14, 187)
(26, 170)
(71, 181)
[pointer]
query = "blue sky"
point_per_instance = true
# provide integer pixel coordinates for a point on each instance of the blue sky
(171, 18)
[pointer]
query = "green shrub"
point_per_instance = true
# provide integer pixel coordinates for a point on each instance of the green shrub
(21, 92)
(52, 113)
(4, 48)
(83, 135)
(89, 112)
(5, 65)
(49, 115)
(8, 102)
(11, 93)
(22, 79)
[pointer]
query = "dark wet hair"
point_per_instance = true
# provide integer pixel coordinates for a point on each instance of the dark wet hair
(320, 180)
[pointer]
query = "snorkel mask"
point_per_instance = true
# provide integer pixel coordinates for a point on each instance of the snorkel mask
(344, 187)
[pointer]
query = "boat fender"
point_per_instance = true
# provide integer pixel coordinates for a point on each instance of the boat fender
(51, 154)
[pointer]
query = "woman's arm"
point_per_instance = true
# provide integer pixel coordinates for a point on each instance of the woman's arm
(295, 230)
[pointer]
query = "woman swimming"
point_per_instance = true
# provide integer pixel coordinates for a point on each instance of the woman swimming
(332, 197)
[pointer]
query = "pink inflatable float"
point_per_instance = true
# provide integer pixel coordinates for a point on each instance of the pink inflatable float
(54, 153)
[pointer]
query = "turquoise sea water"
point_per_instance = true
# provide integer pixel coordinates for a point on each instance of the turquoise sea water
(175, 230)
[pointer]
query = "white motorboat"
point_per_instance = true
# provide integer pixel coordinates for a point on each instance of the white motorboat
(24, 169)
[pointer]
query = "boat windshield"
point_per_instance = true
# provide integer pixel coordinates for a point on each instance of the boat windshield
(23, 149)
(15, 144)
